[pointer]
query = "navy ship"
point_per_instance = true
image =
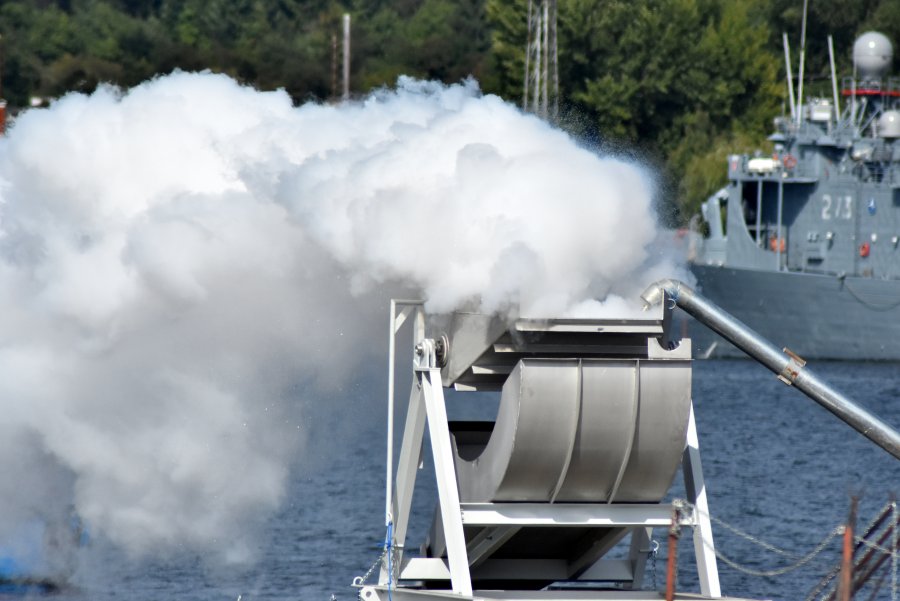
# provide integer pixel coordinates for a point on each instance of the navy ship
(802, 244)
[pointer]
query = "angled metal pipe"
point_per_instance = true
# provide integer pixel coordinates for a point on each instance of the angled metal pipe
(789, 368)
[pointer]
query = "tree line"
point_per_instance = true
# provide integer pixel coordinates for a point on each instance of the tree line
(681, 83)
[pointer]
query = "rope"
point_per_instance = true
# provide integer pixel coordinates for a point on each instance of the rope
(361, 580)
(753, 539)
(799, 562)
(789, 568)
(386, 550)
(824, 583)
(827, 585)
(654, 552)
(387, 547)
(876, 547)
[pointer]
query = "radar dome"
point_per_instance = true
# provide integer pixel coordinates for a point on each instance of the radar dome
(889, 124)
(872, 54)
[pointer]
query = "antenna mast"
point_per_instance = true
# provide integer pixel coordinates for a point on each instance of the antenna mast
(790, 76)
(834, 89)
(541, 85)
(802, 59)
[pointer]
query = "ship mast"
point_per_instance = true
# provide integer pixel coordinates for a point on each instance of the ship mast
(799, 115)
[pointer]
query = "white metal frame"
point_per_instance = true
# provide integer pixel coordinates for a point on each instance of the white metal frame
(426, 404)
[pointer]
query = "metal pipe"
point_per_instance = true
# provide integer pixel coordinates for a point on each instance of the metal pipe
(786, 365)
(389, 478)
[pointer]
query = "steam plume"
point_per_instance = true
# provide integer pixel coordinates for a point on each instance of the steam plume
(183, 265)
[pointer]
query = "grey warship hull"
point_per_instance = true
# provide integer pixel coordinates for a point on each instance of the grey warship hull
(817, 316)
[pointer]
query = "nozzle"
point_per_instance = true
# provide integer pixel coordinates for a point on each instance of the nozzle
(655, 293)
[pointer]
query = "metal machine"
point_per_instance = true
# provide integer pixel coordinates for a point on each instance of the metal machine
(594, 419)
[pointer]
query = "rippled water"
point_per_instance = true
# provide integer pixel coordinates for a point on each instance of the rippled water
(782, 468)
(777, 466)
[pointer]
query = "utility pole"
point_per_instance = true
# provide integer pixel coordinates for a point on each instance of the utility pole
(334, 65)
(2, 100)
(541, 78)
(346, 92)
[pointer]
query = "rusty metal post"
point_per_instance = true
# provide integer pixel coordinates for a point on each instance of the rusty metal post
(865, 571)
(868, 564)
(674, 532)
(846, 583)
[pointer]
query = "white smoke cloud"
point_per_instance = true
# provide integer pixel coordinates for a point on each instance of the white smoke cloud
(185, 266)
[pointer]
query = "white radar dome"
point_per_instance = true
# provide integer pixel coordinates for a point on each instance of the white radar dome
(872, 54)
(889, 124)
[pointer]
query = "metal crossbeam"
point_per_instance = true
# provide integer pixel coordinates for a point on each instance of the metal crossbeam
(567, 514)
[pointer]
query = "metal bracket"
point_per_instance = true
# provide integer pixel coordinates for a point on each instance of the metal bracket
(791, 371)
(426, 355)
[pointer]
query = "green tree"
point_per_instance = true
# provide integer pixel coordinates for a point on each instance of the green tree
(434, 39)
(677, 79)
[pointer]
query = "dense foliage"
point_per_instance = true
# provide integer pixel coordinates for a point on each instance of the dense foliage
(682, 82)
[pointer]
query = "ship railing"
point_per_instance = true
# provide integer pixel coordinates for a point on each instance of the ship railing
(782, 167)
(851, 86)
(892, 85)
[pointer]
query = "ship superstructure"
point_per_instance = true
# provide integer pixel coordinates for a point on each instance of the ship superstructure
(811, 233)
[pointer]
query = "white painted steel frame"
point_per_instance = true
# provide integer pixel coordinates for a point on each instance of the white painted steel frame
(397, 505)
(426, 402)
(567, 514)
(397, 321)
(410, 457)
(445, 473)
(695, 487)
(427, 394)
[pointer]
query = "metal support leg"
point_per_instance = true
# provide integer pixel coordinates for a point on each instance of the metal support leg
(407, 467)
(704, 548)
(487, 541)
(397, 505)
(637, 555)
(448, 493)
